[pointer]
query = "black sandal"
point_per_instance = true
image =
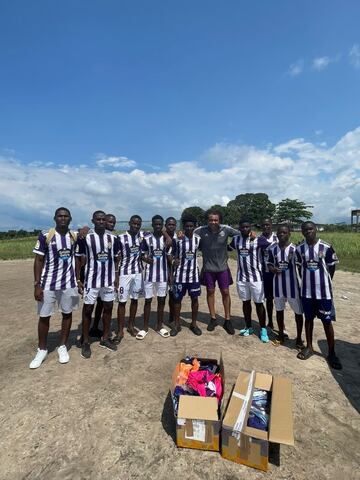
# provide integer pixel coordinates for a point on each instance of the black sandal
(305, 354)
(334, 362)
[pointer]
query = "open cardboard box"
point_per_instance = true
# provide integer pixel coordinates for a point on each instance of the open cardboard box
(198, 421)
(247, 445)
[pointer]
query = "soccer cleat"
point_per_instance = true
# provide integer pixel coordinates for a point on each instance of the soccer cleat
(212, 325)
(174, 331)
(228, 327)
(63, 354)
(246, 332)
(85, 350)
(108, 344)
(263, 335)
(39, 358)
(195, 330)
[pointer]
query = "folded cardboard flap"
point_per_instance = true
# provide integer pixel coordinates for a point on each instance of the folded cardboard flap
(281, 428)
(263, 381)
(198, 408)
(238, 402)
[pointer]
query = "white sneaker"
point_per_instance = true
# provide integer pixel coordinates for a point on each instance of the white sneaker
(39, 358)
(63, 354)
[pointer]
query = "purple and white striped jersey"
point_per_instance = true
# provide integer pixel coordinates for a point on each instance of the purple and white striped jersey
(265, 253)
(130, 252)
(59, 265)
(185, 250)
(100, 252)
(286, 283)
(249, 257)
(156, 249)
(314, 261)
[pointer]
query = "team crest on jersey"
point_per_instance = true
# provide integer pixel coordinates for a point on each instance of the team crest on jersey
(64, 254)
(291, 256)
(109, 245)
(189, 256)
(102, 257)
(221, 234)
(283, 265)
(37, 245)
(321, 254)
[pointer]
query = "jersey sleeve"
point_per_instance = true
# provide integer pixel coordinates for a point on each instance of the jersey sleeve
(270, 259)
(298, 259)
(40, 245)
(330, 257)
(263, 243)
(80, 249)
(144, 247)
(116, 247)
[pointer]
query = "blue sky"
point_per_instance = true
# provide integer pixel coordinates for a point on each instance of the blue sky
(141, 92)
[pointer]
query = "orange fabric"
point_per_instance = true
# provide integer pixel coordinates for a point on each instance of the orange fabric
(185, 369)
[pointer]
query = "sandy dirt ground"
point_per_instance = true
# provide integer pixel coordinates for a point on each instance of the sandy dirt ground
(110, 417)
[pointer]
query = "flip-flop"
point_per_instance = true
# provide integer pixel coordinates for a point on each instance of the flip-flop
(141, 335)
(334, 362)
(277, 342)
(163, 333)
(305, 353)
(300, 346)
(132, 332)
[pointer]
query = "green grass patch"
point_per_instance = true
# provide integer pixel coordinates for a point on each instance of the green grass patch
(346, 245)
(17, 248)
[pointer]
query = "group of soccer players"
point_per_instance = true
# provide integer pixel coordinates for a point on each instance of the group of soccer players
(103, 266)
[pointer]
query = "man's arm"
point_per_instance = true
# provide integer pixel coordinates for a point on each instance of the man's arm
(38, 268)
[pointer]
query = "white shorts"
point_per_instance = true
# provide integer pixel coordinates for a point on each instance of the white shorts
(130, 285)
(251, 290)
(67, 300)
(107, 294)
(295, 304)
(159, 289)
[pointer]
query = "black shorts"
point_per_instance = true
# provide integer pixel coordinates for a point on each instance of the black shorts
(268, 285)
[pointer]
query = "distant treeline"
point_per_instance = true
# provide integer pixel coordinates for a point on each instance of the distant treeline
(18, 234)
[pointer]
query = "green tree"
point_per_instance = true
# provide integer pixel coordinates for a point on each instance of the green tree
(292, 211)
(254, 206)
(197, 212)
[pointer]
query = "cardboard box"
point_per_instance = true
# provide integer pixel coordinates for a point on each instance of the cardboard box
(247, 445)
(198, 421)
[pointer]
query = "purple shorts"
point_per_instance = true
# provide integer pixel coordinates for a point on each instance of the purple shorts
(224, 279)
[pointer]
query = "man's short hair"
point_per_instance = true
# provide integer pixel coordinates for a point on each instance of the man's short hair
(98, 212)
(157, 217)
(135, 216)
(188, 218)
(108, 215)
(284, 225)
(308, 222)
(170, 218)
(244, 220)
(213, 211)
(266, 218)
(62, 208)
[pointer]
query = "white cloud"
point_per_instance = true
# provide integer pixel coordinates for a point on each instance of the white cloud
(114, 162)
(320, 63)
(296, 68)
(354, 55)
(326, 177)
